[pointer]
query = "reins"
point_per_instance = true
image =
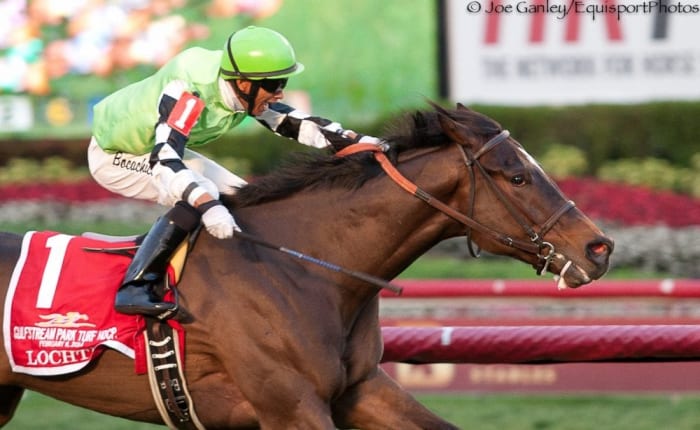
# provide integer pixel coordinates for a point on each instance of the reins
(537, 246)
(372, 280)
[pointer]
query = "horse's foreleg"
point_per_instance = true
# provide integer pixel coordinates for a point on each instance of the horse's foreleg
(289, 401)
(380, 403)
(10, 396)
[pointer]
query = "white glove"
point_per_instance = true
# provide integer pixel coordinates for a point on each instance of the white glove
(369, 139)
(383, 146)
(219, 222)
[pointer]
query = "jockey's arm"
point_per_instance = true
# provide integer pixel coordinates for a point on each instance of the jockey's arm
(179, 111)
(309, 130)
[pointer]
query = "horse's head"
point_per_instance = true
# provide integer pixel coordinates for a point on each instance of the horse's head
(517, 209)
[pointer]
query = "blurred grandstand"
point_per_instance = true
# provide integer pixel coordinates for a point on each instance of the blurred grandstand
(43, 41)
(58, 58)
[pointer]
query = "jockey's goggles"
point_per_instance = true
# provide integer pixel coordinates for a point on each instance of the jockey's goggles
(273, 86)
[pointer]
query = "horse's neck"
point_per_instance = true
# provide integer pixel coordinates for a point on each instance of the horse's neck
(379, 229)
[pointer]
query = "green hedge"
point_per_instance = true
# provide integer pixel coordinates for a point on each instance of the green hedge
(669, 131)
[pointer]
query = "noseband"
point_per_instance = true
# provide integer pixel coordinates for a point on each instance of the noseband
(536, 245)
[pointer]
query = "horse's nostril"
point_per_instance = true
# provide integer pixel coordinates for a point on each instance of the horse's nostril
(600, 249)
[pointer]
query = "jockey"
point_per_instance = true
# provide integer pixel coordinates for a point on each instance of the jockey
(142, 135)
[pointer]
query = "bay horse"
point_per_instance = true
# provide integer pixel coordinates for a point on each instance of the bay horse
(275, 343)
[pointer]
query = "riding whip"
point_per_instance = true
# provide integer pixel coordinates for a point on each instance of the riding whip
(377, 282)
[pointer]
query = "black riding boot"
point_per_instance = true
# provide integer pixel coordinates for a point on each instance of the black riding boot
(138, 293)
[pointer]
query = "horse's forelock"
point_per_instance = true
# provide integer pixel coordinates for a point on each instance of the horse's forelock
(422, 128)
(415, 130)
(478, 123)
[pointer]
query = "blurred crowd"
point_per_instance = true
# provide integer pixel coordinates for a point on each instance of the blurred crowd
(42, 40)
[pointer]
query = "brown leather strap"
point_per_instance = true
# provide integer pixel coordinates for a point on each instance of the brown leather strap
(356, 148)
(412, 188)
(555, 217)
(533, 246)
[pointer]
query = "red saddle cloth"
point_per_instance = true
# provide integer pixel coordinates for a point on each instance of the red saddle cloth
(59, 310)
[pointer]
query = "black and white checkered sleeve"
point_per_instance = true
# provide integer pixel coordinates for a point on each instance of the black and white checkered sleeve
(309, 130)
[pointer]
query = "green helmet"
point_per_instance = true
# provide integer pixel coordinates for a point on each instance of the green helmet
(258, 53)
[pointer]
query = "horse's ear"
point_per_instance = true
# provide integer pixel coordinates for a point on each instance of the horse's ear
(460, 106)
(438, 108)
(455, 131)
(418, 120)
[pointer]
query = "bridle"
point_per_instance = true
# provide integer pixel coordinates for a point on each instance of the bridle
(536, 245)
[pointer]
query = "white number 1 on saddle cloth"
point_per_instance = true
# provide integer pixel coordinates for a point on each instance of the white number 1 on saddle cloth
(59, 311)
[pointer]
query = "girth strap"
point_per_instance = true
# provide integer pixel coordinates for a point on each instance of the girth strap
(166, 377)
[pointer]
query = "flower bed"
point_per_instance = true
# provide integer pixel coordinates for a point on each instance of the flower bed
(631, 205)
(613, 203)
(82, 200)
(79, 191)
(653, 230)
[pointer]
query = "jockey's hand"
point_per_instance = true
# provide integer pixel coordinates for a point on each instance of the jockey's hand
(374, 141)
(219, 222)
(360, 138)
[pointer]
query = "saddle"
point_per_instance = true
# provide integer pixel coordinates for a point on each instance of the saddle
(177, 261)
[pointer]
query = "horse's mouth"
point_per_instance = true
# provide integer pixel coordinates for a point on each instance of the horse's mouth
(568, 274)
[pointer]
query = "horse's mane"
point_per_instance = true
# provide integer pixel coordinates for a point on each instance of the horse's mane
(320, 168)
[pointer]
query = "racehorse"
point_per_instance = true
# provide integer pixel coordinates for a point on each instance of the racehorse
(274, 342)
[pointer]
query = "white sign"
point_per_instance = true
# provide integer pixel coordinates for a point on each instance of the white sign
(570, 52)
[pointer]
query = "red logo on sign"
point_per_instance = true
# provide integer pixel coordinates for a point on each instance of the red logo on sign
(185, 113)
(537, 23)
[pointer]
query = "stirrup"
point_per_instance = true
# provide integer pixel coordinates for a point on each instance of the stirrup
(134, 299)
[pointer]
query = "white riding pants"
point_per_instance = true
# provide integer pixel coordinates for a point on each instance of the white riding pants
(131, 175)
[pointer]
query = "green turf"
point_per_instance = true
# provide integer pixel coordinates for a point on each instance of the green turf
(482, 412)
(568, 412)
(43, 413)
(432, 266)
(111, 227)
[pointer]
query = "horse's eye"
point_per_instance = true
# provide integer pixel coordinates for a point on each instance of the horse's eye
(518, 180)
